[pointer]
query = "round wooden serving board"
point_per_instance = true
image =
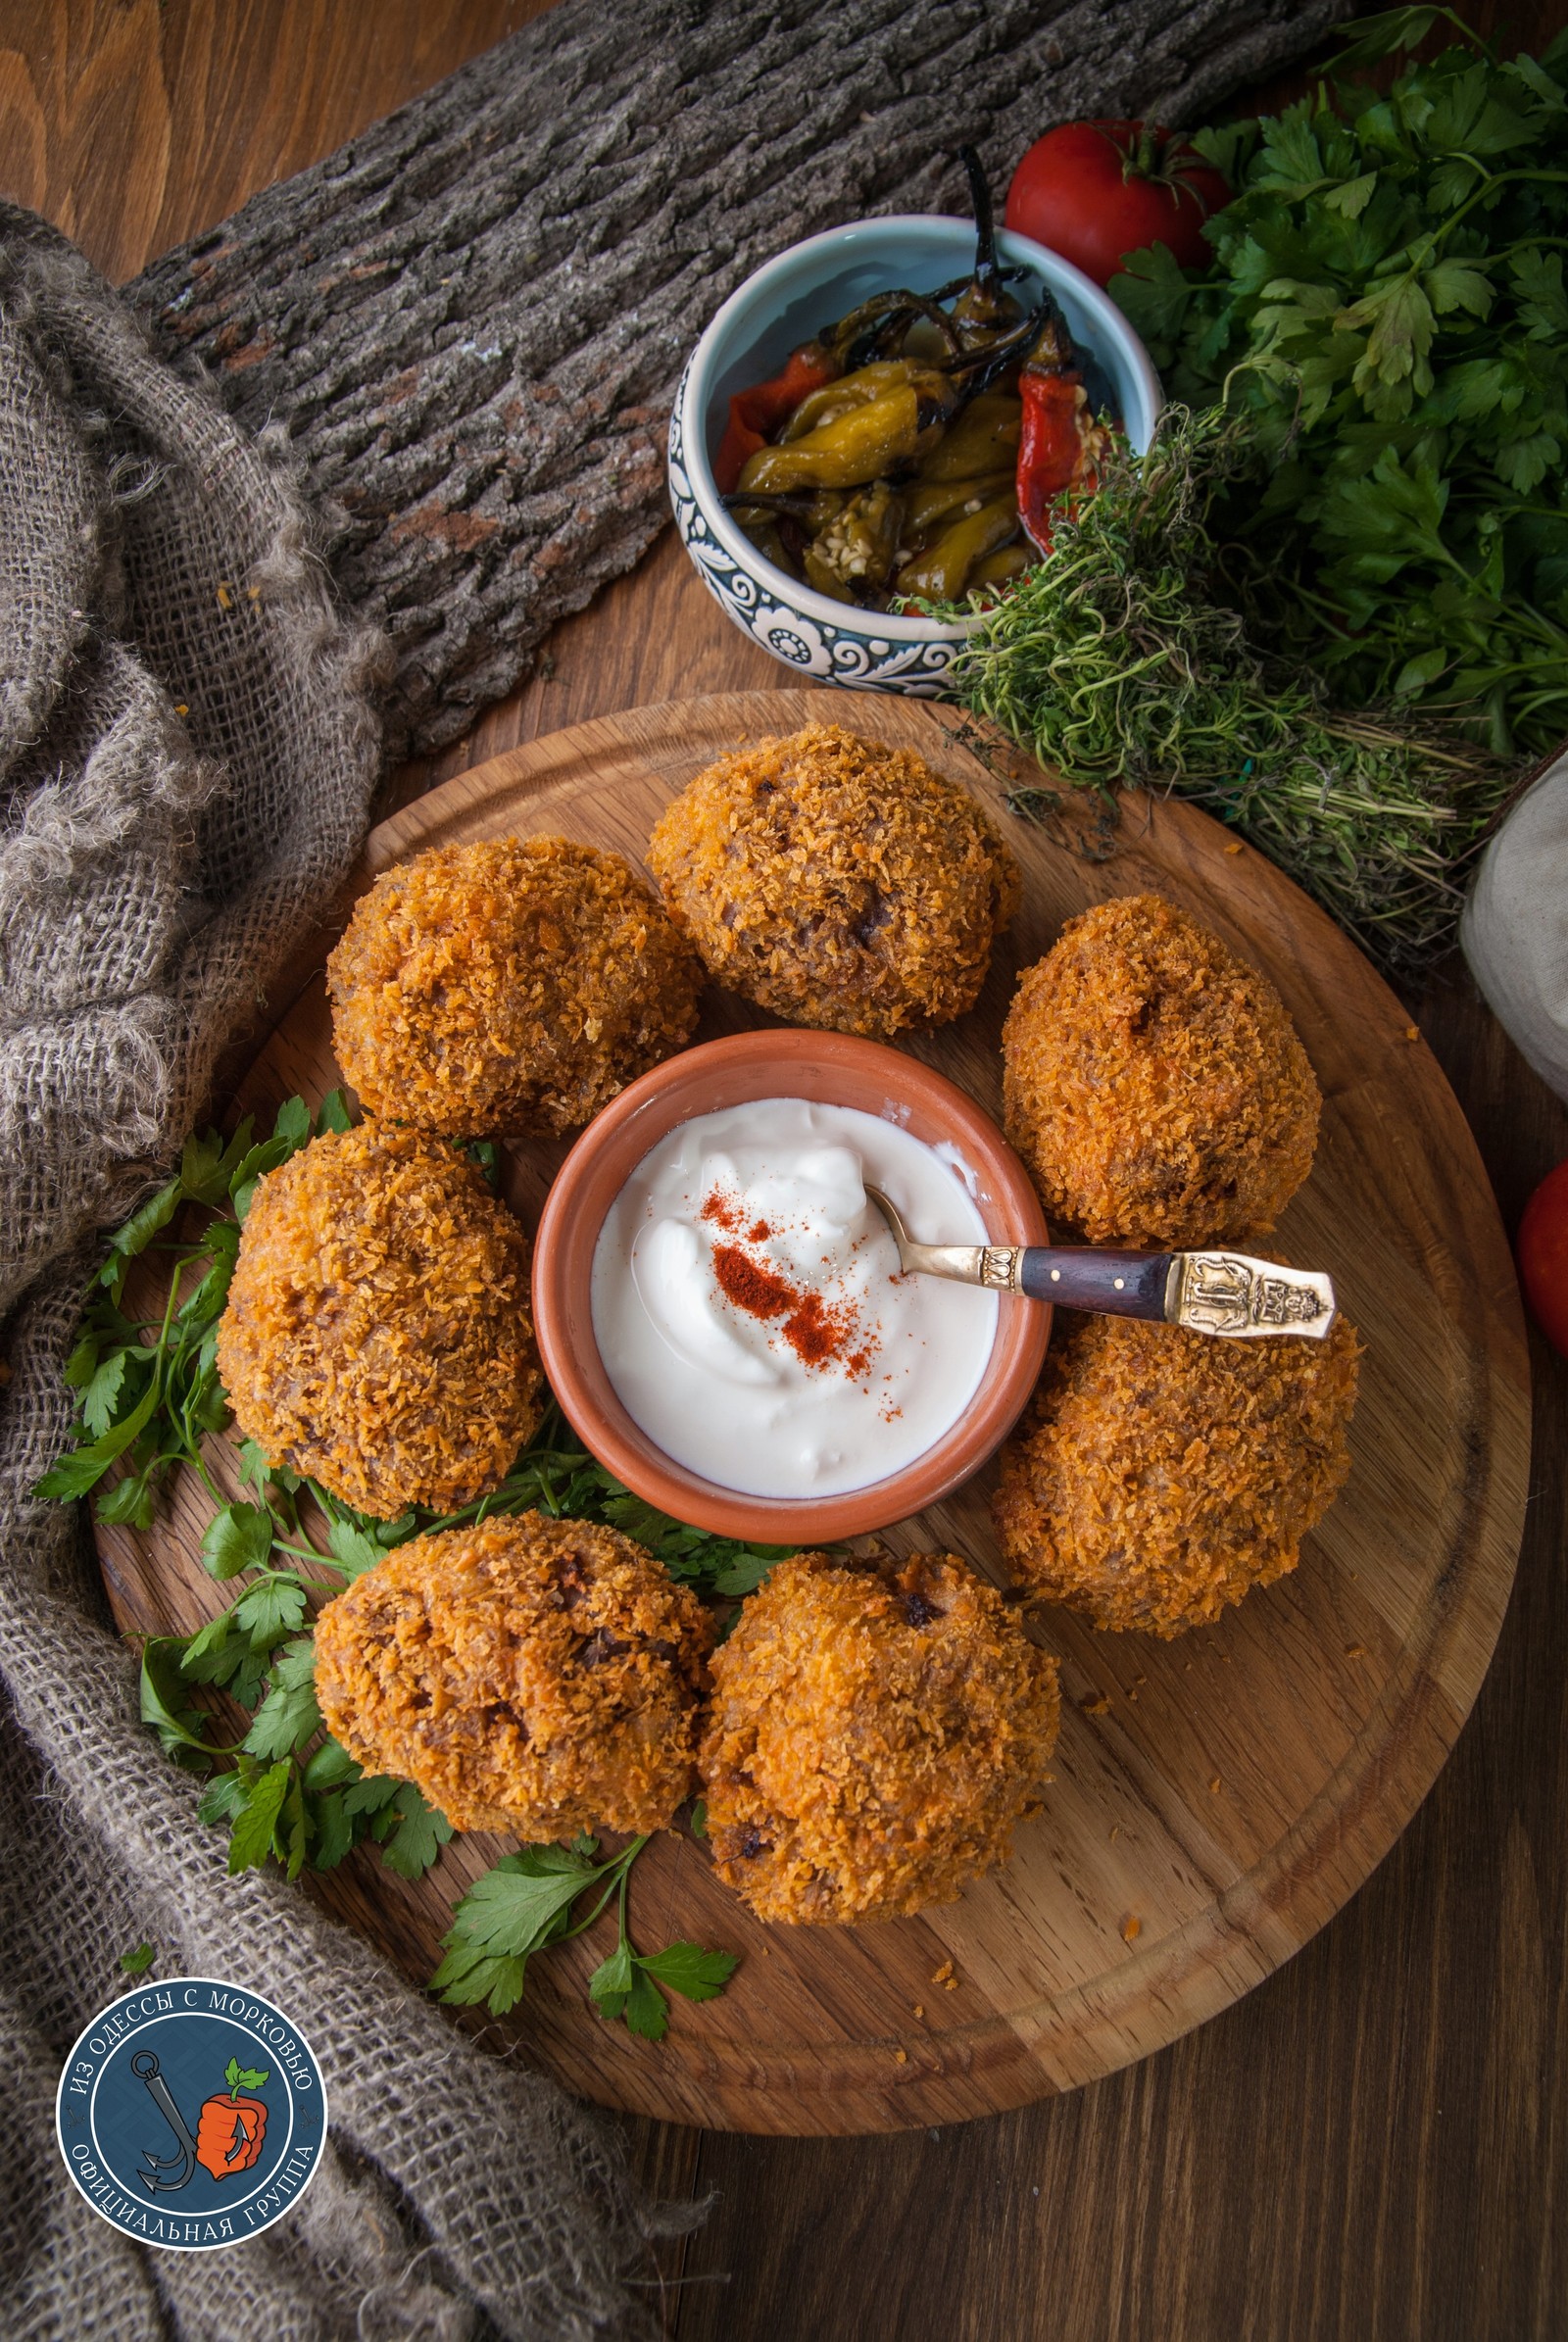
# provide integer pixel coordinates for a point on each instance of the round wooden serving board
(1215, 1798)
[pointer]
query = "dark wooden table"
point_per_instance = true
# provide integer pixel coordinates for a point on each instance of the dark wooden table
(1375, 2143)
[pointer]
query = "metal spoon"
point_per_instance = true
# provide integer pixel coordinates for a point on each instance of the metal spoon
(1227, 1294)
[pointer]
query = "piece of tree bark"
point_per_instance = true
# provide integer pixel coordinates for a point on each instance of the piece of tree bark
(473, 317)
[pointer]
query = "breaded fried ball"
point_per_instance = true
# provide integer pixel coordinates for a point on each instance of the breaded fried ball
(876, 1729)
(530, 1674)
(377, 1336)
(1159, 1475)
(511, 986)
(837, 882)
(1155, 1084)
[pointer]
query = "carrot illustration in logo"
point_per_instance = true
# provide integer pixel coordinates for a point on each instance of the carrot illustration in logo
(232, 2125)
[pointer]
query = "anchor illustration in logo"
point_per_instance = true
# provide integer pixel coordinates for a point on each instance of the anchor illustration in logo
(230, 2129)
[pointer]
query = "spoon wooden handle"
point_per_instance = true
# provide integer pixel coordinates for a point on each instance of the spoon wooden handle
(1111, 1283)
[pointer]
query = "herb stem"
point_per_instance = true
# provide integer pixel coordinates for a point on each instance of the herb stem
(1492, 180)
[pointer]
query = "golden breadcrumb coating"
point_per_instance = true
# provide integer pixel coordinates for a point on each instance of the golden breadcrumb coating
(837, 882)
(377, 1336)
(530, 1674)
(876, 1729)
(511, 986)
(1159, 1475)
(1155, 1083)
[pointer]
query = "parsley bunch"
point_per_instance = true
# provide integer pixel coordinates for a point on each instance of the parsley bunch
(148, 1396)
(1387, 301)
(151, 1396)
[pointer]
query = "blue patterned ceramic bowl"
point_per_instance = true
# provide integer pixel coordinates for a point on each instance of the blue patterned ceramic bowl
(784, 304)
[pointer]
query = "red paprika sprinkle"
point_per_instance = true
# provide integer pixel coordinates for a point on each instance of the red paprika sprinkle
(815, 1332)
(749, 1286)
(812, 1332)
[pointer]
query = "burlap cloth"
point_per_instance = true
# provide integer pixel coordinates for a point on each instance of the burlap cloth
(159, 592)
(189, 736)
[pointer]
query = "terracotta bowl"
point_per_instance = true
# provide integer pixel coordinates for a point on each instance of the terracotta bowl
(831, 1069)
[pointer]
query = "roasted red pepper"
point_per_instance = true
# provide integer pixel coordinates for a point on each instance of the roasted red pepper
(1061, 443)
(756, 413)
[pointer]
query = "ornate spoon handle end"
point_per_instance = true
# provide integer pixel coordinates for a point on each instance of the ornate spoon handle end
(1232, 1295)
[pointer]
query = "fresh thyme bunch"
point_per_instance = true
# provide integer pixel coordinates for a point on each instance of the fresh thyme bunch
(1125, 658)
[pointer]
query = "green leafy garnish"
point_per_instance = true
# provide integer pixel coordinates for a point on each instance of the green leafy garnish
(138, 1962)
(237, 1538)
(411, 1832)
(288, 1717)
(153, 1401)
(1387, 300)
(254, 1825)
(1330, 603)
(525, 1904)
(285, 1791)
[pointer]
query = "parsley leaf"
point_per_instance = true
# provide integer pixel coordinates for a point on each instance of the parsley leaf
(177, 1724)
(83, 1467)
(687, 1969)
(239, 1538)
(419, 1836)
(353, 1550)
(224, 1797)
(333, 1113)
(646, 2010)
(288, 1717)
(611, 1981)
(516, 1902)
(371, 1794)
(101, 1393)
(271, 1609)
(332, 1831)
(261, 1802)
(331, 1767)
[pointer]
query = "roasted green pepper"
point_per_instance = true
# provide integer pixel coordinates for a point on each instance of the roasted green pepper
(755, 413)
(927, 503)
(846, 453)
(1001, 568)
(943, 573)
(984, 438)
(985, 308)
(859, 389)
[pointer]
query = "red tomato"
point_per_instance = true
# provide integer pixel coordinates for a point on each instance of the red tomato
(1543, 1250)
(1095, 190)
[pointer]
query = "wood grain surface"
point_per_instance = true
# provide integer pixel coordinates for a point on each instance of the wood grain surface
(1215, 1798)
(1372, 2146)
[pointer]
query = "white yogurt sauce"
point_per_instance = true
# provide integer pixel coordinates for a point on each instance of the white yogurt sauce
(747, 1305)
